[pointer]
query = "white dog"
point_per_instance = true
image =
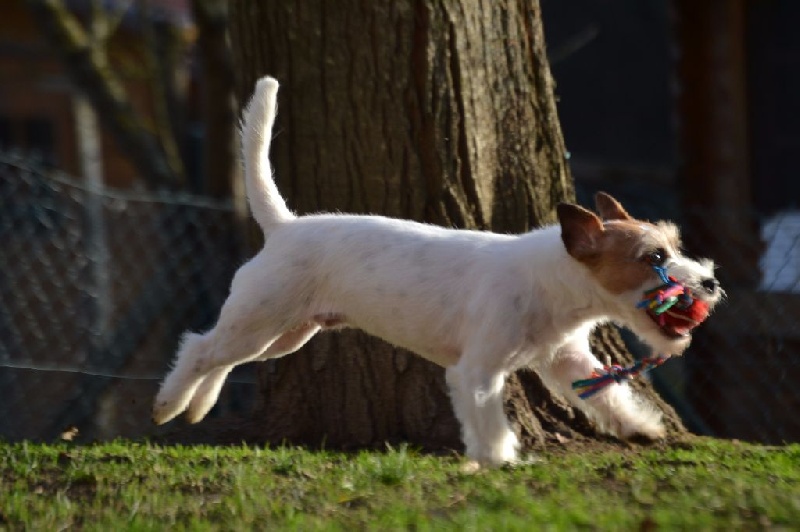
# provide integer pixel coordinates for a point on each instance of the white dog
(480, 304)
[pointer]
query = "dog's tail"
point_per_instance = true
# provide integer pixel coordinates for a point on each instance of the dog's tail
(268, 207)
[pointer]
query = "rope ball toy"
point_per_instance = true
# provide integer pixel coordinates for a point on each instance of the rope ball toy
(671, 295)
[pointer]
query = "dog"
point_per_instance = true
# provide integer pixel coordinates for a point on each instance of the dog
(480, 304)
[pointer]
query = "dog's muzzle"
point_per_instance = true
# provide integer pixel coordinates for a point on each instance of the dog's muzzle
(674, 307)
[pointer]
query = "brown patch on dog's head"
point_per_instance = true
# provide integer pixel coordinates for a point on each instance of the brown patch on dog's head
(618, 251)
(624, 262)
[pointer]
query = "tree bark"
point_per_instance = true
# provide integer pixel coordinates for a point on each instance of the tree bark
(440, 111)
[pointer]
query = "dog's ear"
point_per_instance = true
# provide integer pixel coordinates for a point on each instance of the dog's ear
(581, 230)
(609, 208)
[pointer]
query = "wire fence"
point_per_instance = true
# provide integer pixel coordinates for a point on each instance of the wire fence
(744, 364)
(97, 287)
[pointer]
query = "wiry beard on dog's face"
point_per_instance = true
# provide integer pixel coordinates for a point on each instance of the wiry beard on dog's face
(621, 254)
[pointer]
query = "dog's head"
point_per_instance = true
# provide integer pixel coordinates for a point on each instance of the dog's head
(621, 252)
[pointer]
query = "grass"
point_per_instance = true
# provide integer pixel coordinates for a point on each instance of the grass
(709, 484)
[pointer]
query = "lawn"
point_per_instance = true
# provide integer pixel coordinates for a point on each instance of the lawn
(704, 484)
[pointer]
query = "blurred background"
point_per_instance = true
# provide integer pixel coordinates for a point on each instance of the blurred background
(122, 217)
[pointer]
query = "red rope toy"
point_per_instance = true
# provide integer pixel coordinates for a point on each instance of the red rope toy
(658, 301)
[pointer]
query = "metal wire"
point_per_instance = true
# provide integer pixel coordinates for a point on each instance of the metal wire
(96, 289)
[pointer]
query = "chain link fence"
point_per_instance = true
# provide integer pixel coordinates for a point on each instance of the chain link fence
(744, 364)
(97, 287)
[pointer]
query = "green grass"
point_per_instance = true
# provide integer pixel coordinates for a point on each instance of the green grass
(137, 486)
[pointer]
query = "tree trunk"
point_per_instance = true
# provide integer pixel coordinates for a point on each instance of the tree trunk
(440, 111)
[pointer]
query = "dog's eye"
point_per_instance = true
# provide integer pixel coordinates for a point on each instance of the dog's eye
(657, 257)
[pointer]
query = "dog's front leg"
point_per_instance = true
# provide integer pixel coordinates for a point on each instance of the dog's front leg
(616, 409)
(477, 396)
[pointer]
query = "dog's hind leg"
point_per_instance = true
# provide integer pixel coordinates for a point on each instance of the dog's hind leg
(180, 384)
(616, 409)
(207, 393)
(244, 331)
(201, 355)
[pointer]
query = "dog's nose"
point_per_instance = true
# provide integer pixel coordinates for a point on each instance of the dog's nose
(710, 285)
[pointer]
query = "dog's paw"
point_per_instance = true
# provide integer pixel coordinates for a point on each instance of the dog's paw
(169, 403)
(497, 453)
(206, 395)
(622, 414)
(471, 467)
(646, 434)
(160, 413)
(163, 412)
(196, 415)
(646, 428)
